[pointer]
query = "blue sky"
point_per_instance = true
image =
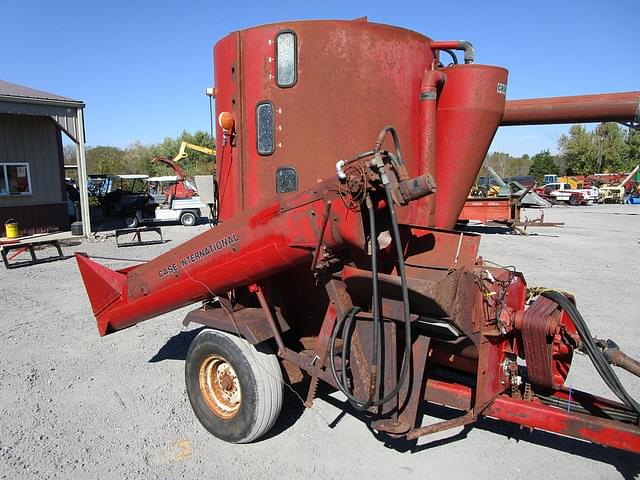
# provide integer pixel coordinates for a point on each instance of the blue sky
(142, 66)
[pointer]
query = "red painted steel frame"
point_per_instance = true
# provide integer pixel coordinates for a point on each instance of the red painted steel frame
(533, 414)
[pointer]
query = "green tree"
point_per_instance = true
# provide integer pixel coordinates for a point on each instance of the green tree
(543, 164)
(612, 148)
(105, 160)
(196, 163)
(632, 139)
(507, 166)
(136, 157)
(579, 151)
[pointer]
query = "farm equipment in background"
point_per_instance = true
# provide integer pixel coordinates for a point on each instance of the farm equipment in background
(182, 188)
(170, 198)
(335, 254)
(523, 196)
(617, 193)
(182, 153)
(563, 193)
(503, 204)
(574, 182)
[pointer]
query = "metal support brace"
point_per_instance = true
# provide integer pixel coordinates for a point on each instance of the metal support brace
(32, 247)
(137, 236)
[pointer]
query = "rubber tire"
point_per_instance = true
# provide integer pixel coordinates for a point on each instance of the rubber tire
(261, 384)
(188, 219)
(573, 201)
(131, 221)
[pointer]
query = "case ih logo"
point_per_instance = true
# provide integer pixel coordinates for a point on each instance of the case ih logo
(200, 254)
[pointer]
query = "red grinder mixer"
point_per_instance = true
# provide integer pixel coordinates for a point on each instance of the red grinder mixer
(346, 151)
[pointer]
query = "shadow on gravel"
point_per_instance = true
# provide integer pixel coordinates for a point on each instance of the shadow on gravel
(486, 229)
(176, 347)
(500, 230)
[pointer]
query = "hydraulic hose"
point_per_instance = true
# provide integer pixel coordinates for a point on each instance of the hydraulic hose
(396, 159)
(347, 319)
(591, 348)
(375, 300)
(452, 54)
(341, 383)
(405, 297)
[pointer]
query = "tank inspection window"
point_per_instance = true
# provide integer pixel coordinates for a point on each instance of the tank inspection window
(286, 180)
(264, 128)
(286, 59)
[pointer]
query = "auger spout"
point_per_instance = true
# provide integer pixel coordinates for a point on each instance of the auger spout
(246, 249)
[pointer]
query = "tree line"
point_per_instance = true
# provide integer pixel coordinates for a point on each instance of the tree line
(609, 148)
(136, 157)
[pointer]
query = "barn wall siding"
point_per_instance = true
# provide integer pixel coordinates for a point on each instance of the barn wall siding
(33, 140)
(36, 141)
(33, 219)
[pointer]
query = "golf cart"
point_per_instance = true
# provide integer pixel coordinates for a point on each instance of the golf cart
(160, 205)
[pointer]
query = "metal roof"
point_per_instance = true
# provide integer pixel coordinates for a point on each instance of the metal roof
(18, 93)
(19, 100)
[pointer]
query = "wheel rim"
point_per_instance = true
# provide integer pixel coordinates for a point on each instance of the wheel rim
(220, 387)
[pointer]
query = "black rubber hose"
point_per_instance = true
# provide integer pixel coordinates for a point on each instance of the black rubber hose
(341, 383)
(346, 334)
(375, 299)
(405, 298)
(375, 358)
(596, 356)
(348, 317)
(396, 142)
(451, 54)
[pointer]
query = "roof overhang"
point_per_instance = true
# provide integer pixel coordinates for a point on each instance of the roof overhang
(63, 112)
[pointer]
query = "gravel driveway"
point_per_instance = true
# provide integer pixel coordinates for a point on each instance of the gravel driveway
(74, 405)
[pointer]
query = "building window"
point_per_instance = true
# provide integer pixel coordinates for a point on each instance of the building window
(15, 179)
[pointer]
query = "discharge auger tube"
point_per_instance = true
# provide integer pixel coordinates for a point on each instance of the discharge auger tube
(243, 250)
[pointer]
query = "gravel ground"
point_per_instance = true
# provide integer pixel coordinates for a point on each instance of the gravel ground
(74, 405)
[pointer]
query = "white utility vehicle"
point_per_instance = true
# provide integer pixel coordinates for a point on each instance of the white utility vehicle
(158, 207)
(562, 192)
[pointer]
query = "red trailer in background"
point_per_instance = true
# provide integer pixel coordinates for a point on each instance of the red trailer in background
(345, 155)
